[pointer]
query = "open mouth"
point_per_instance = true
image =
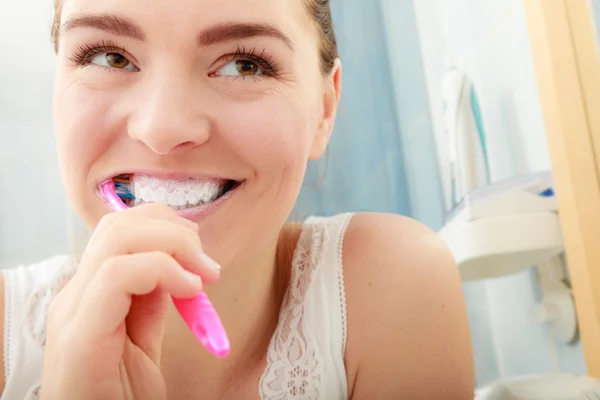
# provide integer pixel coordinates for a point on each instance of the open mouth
(180, 194)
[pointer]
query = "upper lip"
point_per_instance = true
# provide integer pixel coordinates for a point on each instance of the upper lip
(164, 175)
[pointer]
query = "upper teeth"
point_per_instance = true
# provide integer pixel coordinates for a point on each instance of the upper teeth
(176, 193)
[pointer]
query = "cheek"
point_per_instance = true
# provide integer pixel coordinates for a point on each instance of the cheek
(272, 135)
(79, 126)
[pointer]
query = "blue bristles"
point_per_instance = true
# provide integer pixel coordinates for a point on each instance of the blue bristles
(123, 190)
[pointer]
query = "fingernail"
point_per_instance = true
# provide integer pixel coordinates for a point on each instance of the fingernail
(193, 225)
(190, 276)
(209, 262)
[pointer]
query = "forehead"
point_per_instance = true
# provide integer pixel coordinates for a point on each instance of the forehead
(187, 16)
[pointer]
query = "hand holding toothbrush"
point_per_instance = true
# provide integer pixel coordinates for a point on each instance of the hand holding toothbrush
(105, 328)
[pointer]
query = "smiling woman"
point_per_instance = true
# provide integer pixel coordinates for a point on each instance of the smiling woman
(194, 122)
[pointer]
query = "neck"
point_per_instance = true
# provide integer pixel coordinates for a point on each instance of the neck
(247, 297)
(246, 300)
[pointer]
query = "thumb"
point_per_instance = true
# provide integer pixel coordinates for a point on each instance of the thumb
(146, 322)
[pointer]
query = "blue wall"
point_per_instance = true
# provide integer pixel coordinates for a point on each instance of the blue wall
(382, 154)
(364, 169)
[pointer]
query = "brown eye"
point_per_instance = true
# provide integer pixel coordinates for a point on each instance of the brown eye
(246, 67)
(241, 68)
(116, 60)
(113, 60)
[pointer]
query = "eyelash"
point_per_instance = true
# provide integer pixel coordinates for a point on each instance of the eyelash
(264, 61)
(84, 54)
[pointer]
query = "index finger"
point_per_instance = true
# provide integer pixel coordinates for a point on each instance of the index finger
(159, 211)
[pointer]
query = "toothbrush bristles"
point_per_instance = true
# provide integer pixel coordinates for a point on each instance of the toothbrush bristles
(122, 188)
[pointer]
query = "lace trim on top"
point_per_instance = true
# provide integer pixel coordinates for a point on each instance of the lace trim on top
(34, 392)
(39, 302)
(34, 325)
(8, 317)
(341, 283)
(295, 366)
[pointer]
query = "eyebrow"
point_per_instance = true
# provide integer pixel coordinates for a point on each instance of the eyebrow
(232, 31)
(220, 33)
(113, 24)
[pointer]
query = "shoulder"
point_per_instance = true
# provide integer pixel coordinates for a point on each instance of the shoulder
(407, 321)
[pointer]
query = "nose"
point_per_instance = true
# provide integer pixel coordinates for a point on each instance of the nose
(168, 119)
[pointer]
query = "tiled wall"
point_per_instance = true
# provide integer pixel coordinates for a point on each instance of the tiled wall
(489, 39)
(33, 213)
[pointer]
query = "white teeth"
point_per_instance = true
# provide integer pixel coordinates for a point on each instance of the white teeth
(193, 198)
(147, 194)
(161, 196)
(136, 190)
(204, 194)
(178, 198)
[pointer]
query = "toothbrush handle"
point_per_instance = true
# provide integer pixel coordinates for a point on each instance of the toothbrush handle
(202, 319)
(108, 191)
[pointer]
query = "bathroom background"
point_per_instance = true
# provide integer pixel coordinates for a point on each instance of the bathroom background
(389, 151)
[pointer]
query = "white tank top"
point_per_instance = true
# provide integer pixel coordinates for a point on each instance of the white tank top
(305, 358)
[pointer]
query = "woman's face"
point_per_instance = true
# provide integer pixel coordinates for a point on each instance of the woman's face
(193, 98)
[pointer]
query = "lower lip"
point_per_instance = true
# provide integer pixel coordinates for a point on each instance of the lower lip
(203, 211)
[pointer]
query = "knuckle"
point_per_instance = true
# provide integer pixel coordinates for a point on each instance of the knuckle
(109, 267)
(191, 237)
(188, 245)
(110, 234)
(161, 257)
(120, 222)
(110, 227)
(107, 220)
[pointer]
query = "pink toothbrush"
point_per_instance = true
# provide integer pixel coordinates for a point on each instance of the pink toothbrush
(198, 312)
